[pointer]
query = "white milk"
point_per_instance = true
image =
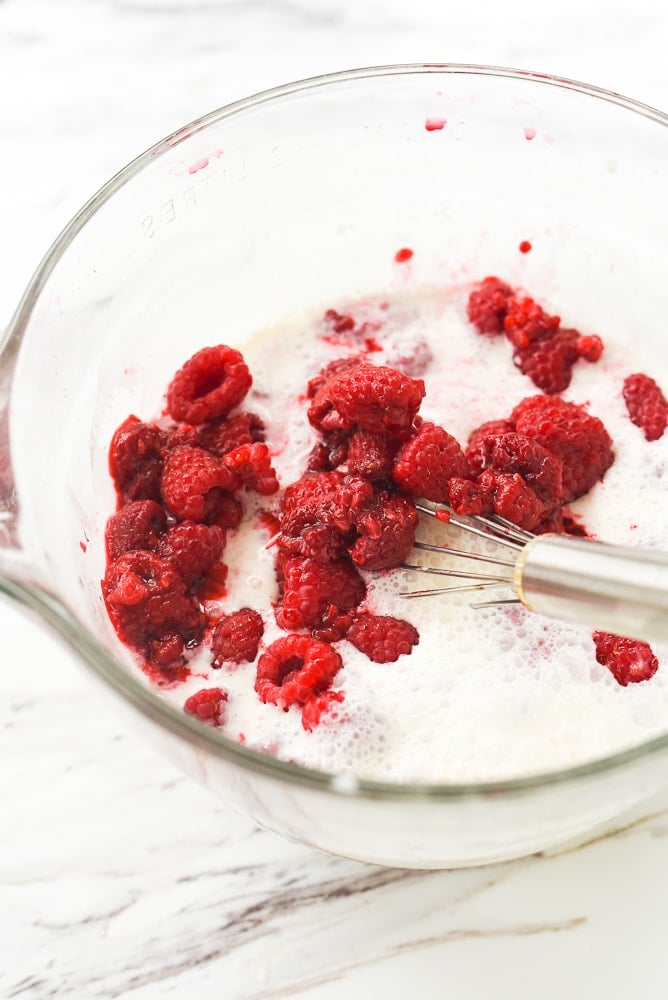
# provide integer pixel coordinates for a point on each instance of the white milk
(487, 694)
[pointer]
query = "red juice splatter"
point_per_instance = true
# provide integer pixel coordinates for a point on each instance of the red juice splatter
(198, 165)
(435, 124)
(525, 246)
(529, 133)
(401, 256)
(443, 515)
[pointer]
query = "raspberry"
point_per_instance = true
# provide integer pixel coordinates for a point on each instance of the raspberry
(318, 513)
(488, 304)
(549, 361)
(208, 386)
(371, 456)
(571, 434)
(512, 498)
(333, 368)
(322, 704)
(251, 466)
(466, 497)
(192, 549)
(525, 321)
(194, 484)
(147, 600)
(330, 452)
(207, 705)
(646, 404)
(137, 525)
(228, 512)
(135, 460)
(590, 347)
(428, 461)
(512, 452)
(386, 528)
(313, 593)
(492, 428)
(295, 668)
(382, 638)
(371, 396)
(629, 660)
(236, 637)
(226, 434)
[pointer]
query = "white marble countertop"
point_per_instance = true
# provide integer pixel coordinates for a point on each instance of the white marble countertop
(118, 877)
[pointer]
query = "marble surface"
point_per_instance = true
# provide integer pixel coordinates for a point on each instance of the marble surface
(119, 877)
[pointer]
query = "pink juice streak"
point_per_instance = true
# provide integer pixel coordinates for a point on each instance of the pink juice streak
(435, 124)
(529, 133)
(204, 162)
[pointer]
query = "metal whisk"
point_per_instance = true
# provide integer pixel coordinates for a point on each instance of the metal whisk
(614, 588)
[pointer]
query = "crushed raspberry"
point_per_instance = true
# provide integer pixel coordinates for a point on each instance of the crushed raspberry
(207, 705)
(135, 460)
(525, 321)
(488, 304)
(192, 549)
(329, 453)
(228, 433)
(330, 498)
(314, 593)
(208, 386)
(371, 456)
(571, 434)
(147, 600)
(512, 498)
(381, 637)
(512, 452)
(428, 461)
(295, 668)
(236, 637)
(629, 660)
(373, 397)
(321, 705)
(467, 497)
(137, 525)
(548, 361)
(589, 347)
(490, 429)
(646, 404)
(386, 532)
(251, 466)
(194, 483)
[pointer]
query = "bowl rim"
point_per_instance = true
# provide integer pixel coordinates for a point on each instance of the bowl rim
(134, 689)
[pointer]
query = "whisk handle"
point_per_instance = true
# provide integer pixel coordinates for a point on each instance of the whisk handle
(608, 587)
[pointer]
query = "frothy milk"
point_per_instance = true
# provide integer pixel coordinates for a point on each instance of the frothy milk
(487, 694)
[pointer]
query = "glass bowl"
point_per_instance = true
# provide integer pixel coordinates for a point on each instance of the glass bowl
(282, 202)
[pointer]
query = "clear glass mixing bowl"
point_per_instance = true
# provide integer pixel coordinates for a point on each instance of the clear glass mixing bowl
(288, 200)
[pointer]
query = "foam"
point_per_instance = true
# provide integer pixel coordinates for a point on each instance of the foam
(487, 694)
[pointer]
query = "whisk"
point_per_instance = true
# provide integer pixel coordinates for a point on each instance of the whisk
(614, 588)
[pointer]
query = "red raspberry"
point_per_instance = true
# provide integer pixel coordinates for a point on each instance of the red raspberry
(313, 593)
(466, 497)
(236, 637)
(646, 404)
(492, 428)
(207, 705)
(512, 452)
(147, 600)
(333, 368)
(295, 668)
(330, 452)
(135, 460)
(137, 525)
(512, 498)
(573, 435)
(208, 386)
(192, 549)
(194, 483)
(386, 528)
(371, 456)
(526, 321)
(318, 513)
(251, 466)
(629, 660)
(549, 361)
(382, 638)
(373, 397)
(226, 434)
(589, 347)
(322, 704)
(488, 304)
(428, 461)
